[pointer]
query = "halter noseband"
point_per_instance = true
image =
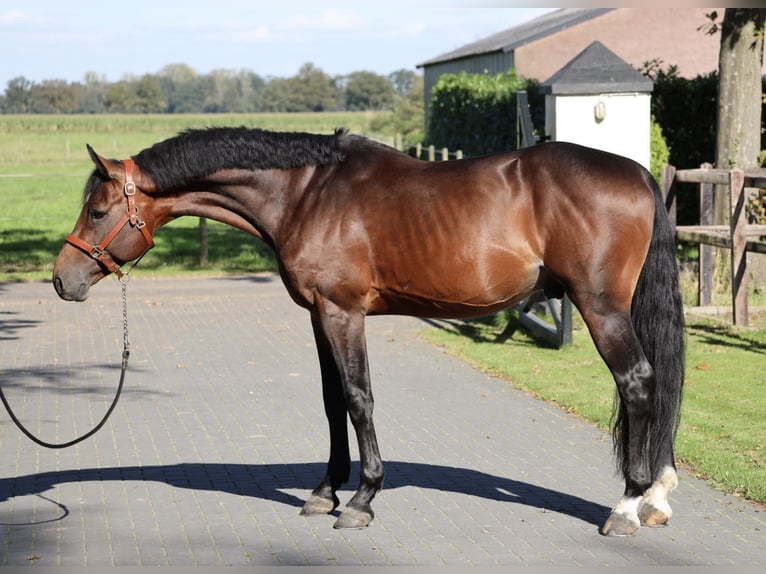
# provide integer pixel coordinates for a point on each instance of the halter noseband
(99, 252)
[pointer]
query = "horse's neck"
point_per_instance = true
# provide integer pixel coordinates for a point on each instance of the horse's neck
(254, 201)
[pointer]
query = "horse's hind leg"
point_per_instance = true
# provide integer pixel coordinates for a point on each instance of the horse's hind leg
(612, 331)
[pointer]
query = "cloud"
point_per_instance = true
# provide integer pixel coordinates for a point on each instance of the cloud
(330, 20)
(16, 17)
(406, 30)
(254, 36)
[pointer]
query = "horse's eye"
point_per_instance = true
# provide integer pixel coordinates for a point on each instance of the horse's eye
(97, 214)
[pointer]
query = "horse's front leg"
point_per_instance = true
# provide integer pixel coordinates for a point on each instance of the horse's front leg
(343, 332)
(323, 499)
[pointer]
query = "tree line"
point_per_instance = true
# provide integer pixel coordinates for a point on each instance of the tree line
(178, 88)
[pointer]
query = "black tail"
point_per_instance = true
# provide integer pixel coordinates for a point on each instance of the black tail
(658, 319)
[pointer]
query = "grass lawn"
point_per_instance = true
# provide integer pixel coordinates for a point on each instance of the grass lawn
(722, 436)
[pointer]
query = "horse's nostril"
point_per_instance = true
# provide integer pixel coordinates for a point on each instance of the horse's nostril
(58, 285)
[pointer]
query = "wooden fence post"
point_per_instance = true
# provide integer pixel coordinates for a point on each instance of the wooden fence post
(203, 242)
(738, 243)
(706, 252)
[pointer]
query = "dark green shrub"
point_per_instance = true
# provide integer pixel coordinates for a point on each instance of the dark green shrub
(476, 113)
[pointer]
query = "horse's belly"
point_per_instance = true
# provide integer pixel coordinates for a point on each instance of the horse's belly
(459, 291)
(405, 304)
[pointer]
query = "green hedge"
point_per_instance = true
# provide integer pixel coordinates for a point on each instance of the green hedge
(476, 113)
(659, 152)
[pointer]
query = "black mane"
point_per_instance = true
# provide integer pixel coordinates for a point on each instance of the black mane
(200, 152)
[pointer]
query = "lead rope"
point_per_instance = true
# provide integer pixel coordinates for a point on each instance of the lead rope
(125, 355)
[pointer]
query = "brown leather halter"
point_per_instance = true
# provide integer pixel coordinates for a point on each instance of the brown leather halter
(99, 252)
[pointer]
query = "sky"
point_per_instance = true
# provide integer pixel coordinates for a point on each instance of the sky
(55, 39)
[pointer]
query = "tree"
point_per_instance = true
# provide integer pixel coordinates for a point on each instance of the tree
(407, 117)
(93, 93)
(314, 90)
(368, 91)
(120, 97)
(738, 124)
(311, 90)
(232, 91)
(738, 139)
(276, 96)
(18, 96)
(55, 96)
(403, 81)
(149, 96)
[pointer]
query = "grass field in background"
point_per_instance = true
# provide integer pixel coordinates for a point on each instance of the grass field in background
(43, 140)
(44, 165)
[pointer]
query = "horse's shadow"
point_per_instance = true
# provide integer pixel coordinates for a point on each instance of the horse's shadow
(269, 481)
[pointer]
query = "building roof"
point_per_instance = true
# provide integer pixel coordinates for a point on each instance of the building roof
(510, 39)
(596, 69)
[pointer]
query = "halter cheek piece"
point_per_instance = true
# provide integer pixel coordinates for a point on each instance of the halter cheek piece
(99, 252)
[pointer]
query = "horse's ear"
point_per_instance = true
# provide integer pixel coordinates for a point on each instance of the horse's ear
(107, 168)
(111, 169)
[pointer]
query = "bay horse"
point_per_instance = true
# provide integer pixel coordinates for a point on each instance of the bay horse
(359, 228)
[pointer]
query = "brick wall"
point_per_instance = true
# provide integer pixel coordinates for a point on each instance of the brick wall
(636, 35)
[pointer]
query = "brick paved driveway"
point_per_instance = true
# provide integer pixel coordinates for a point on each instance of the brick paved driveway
(220, 436)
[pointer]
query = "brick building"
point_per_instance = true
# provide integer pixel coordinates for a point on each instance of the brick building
(540, 47)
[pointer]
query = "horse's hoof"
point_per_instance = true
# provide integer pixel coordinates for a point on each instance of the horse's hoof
(620, 525)
(319, 506)
(354, 519)
(650, 515)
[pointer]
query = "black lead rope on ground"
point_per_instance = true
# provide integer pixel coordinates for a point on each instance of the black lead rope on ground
(125, 355)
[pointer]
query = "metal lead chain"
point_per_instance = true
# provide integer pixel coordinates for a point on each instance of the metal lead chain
(125, 341)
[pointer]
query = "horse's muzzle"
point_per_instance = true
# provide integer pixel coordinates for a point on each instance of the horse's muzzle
(77, 292)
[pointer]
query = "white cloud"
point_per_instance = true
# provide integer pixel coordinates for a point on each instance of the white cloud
(16, 17)
(330, 20)
(407, 30)
(254, 36)
(333, 20)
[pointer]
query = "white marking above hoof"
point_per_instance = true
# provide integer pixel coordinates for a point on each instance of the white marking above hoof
(655, 509)
(623, 521)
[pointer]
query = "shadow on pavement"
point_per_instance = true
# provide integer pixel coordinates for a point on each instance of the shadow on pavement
(267, 481)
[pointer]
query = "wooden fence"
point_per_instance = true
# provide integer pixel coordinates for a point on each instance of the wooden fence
(738, 236)
(430, 153)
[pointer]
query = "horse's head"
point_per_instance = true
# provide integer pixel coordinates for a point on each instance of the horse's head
(115, 226)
